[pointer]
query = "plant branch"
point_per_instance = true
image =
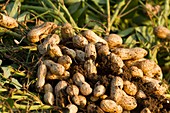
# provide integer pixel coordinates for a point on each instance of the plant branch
(120, 4)
(108, 17)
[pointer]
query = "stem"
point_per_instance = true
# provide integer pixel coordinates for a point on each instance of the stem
(108, 17)
(33, 107)
(68, 14)
(42, 9)
(5, 49)
(166, 13)
(95, 10)
(4, 30)
(121, 3)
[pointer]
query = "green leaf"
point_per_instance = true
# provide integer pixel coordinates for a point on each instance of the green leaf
(16, 83)
(23, 16)
(131, 40)
(126, 32)
(74, 7)
(70, 2)
(78, 13)
(10, 102)
(6, 72)
(14, 10)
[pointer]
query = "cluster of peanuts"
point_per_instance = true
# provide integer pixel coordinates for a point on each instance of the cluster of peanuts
(86, 48)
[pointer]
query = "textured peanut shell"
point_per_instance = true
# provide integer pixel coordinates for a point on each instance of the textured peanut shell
(68, 51)
(72, 90)
(40, 32)
(78, 79)
(49, 98)
(41, 74)
(72, 108)
(7, 21)
(55, 68)
(65, 60)
(79, 41)
(113, 40)
(90, 67)
(80, 55)
(54, 51)
(90, 51)
(92, 37)
(48, 88)
(85, 89)
(110, 106)
(99, 90)
(130, 53)
(61, 85)
(130, 88)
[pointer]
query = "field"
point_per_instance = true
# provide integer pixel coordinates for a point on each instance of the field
(45, 43)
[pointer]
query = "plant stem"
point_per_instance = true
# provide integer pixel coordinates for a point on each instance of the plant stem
(42, 9)
(4, 30)
(166, 11)
(108, 17)
(98, 12)
(5, 49)
(33, 107)
(68, 14)
(120, 4)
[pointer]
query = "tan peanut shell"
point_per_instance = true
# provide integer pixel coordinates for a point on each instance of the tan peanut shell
(136, 72)
(7, 21)
(99, 90)
(90, 51)
(54, 51)
(80, 55)
(68, 51)
(51, 39)
(133, 62)
(66, 61)
(116, 94)
(79, 100)
(55, 68)
(130, 53)
(85, 89)
(48, 88)
(155, 86)
(51, 76)
(116, 63)
(41, 74)
(79, 41)
(117, 82)
(162, 32)
(72, 108)
(72, 90)
(113, 40)
(61, 85)
(90, 67)
(130, 88)
(49, 98)
(102, 49)
(78, 79)
(92, 37)
(40, 32)
(110, 106)
(140, 95)
(67, 31)
(127, 102)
